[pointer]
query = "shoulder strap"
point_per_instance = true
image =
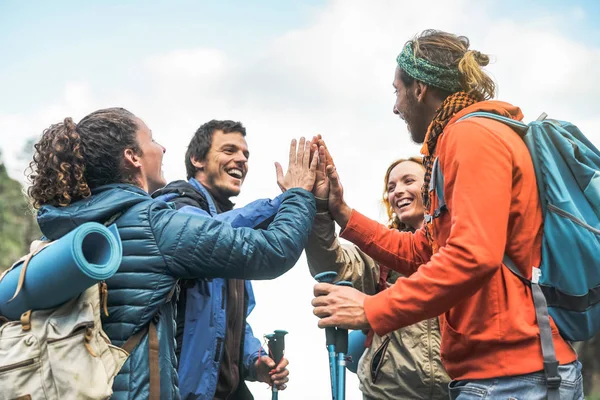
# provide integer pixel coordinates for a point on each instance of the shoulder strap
(437, 183)
(36, 247)
(153, 351)
(518, 126)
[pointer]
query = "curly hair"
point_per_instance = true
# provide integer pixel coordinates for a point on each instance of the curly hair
(449, 50)
(202, 141)
(72, 159)
(393, 220)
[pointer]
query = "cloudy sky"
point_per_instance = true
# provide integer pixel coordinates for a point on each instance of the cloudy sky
(285, 69)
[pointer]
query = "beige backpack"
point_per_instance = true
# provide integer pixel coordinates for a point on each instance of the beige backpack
(63, 353)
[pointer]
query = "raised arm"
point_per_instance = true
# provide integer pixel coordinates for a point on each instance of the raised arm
(194, 246)
(401, 251)
(475, 245)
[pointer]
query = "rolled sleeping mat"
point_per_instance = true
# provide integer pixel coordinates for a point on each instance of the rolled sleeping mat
(62, 270)
(356, 348)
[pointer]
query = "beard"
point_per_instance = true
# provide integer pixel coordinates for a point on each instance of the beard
(416, 119)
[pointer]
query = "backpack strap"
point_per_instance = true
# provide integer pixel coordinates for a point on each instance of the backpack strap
(437, 183)
(153, 351)
(518, 126)
(135, 339)
(553, 379)
(36, 247)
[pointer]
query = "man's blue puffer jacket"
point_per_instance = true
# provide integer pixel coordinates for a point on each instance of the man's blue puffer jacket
(160, 246)
(206, 301)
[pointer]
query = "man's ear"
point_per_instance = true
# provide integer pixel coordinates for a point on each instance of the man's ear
(198, 164)
(420, 91)
(132, 159)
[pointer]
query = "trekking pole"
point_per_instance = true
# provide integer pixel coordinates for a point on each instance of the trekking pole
(276, 350)
(329, 277)
(341, 347)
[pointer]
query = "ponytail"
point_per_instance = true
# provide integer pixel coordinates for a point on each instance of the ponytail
(474, 79)
(58, 167)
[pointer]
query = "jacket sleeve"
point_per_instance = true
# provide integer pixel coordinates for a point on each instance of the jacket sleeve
(252, 346)
(259, 213)
(195, 246)
(401, 251)
(324, 252)
(478, 190)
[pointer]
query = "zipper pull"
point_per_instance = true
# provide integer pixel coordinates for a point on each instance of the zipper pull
(104, 297)
(89, 334)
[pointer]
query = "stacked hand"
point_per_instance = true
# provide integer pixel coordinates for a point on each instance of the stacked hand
(328, 185)
(311, 167)
(337, 306)
(301, 167)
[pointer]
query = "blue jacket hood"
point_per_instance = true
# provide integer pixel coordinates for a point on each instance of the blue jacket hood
(105, 202)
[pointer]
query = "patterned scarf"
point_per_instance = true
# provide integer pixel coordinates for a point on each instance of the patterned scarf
(453, 104)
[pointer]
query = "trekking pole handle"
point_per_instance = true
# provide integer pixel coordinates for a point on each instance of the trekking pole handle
(341, 347)
(276, 351)
(330, 336)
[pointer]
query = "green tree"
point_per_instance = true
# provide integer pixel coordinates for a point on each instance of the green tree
(17, 223)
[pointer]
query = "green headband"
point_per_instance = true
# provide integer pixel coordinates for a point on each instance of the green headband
(446, 78)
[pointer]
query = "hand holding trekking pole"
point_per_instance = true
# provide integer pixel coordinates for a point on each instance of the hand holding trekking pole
(339, 306)
(275, 374)
(337, 343)
(329, 277)
(276, 350)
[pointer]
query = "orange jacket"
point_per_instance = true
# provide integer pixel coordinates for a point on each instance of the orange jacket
(487, 315)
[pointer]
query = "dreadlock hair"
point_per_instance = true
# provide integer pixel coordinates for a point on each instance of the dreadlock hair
(71, 159)
(449, 50)
(393, 220)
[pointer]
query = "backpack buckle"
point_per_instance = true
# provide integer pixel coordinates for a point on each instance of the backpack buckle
(553, 379)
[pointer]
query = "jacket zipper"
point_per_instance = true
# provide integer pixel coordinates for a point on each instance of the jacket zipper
(223, 297)
(79, 329)
(218, 350)
(563, 213)
(19, 364)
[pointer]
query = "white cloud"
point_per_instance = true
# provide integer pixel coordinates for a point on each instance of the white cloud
(332, 77)
(188, 63)
(15, 129)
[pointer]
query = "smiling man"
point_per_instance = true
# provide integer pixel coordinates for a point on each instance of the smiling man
(216, 348)
(484, 212)
(217, 158)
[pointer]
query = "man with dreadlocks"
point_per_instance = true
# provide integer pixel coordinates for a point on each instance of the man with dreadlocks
(490, 338)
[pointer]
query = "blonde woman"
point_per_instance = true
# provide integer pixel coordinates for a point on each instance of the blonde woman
(404, 364)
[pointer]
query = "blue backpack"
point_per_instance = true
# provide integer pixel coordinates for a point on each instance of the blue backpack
(566, 285)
